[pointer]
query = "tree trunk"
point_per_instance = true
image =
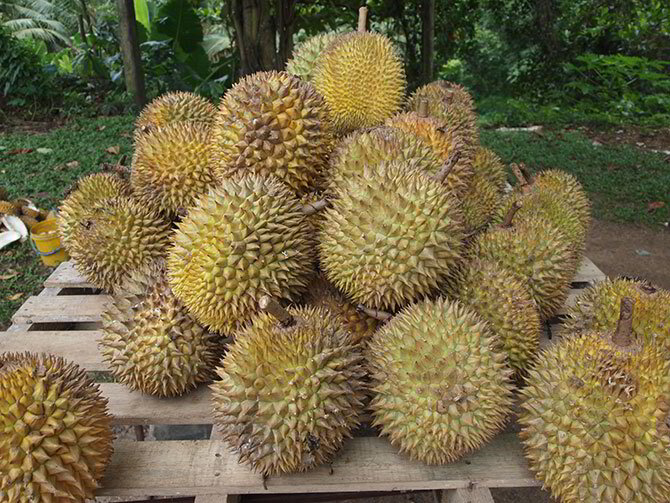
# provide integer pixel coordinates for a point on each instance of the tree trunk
(285, 27)
(255, 34)
(428, 40)
(130, 51)
(545, 15)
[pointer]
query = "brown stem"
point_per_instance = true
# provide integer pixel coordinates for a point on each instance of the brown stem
(519, 174)
(454, 157)
(315, 207)
(510, 214)
(362, 19)
(374, 313)
(272, 307)
(623, 337)
(423, 108)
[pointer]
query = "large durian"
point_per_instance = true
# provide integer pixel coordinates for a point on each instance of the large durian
(487, 163)
(151, 343)
(565, 185)
(596, 418)
(272, 123)
(55, 431)
(249, 237)
(391, 237)
(307, 54)
(597, 309)
(441, 386)
(290, 390)
(172, 166)
(362, 78)
(174, 107)
(114, 237)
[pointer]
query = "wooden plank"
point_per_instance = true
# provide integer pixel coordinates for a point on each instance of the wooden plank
(78, 346)
(474, 495)
(588, 272)
(66, 276)
(65, 308)
(223, 498)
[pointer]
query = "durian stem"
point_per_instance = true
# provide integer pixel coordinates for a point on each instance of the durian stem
(519, 174)
(315, 207)
(362, 19)
(510, 214)
(374, 313)
(423, 108)
(454, 157)
(274, 308)
(623, 337)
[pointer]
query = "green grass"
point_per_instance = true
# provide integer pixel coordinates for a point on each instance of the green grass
(621, 181)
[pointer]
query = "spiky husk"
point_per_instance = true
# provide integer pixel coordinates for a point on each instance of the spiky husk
(480, 202)
(597, 309)
(535, 251)
(440, 382)
(445, 142)
(247, 238)
(504, 301)
(55, 435)
(320, 293)
(87, 192)
(489, 165)
(369, 148)
(565, 185)
(307, 54)
(172, 166)
(7, 208)
(151, 343)
(174, 107)
(29, 222)
(595, 421)
(362, 79)
(272, 123)
(115, 237)
(391, 236)
(453, 93)
(289, 396)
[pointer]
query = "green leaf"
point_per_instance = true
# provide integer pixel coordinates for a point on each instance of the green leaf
(178, 20)
(142, 14)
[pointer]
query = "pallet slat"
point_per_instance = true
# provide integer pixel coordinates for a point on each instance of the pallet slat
(61, 309)
(66, 276)
(78, 346)
(365, 464)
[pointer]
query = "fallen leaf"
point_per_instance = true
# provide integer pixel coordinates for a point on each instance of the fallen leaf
(43, 150)
(42, 195)
(101, 128)
(72, 164)
(656, 205)
(11, 275)
(115, 150)
(126, 135)
(20, 151)
(16, 296)
(642, 253)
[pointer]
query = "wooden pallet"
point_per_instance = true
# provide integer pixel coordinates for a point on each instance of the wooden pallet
(64, 319)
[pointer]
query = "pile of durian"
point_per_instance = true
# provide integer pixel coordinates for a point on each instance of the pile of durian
(320, 248)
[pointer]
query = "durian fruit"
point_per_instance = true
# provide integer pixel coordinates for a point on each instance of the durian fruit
(174, 107)
(307, 54)
(29, 221)
(4, 194)
(362, 79)
(391, 236)
(480, 202)
(151, 343)
(440, 382)
(321, 294)
(596, 418)
(369, 148)
(87, 191)
(114, 237)
(504, 302)
(172, 166)
(487, 164)
(597, 309)
(449, 147)
(272, 123)
(290, 389)
(7, 208)
(249, 237)
(537, 252)
(55, 430)
(566, 185)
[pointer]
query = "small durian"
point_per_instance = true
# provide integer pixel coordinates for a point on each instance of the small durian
(441, 387)
(151, 343)
(453, 93)
(112, 238)
(172, 166)
(249, 237)
(505, 303)
(480, 202)
(273, 123)
(307, 54)
(8, 208)
(174, 107)
(595, 417)
(55, 431)
(391, 237)
(565, 185)
(291, 389)
(597, 309)
(487, 164)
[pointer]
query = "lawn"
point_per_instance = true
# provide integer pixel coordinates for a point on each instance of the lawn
(621, 180)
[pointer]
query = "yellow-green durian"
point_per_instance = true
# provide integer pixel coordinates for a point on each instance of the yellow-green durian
(249, 237)
(307, 54)
(55, 431)
(150, 343)
(362, 79)
(273, 123)
(290, 393)
(487, 163)
(480, 202)
(441, 387)
(173, 107)
(565, 185)
(391, 236)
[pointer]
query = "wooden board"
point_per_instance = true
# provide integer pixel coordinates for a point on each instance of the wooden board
(78, 346)
(66, 276)
(365, 464)
(60, 309)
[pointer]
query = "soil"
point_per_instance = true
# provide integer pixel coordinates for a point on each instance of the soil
(655, 140)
